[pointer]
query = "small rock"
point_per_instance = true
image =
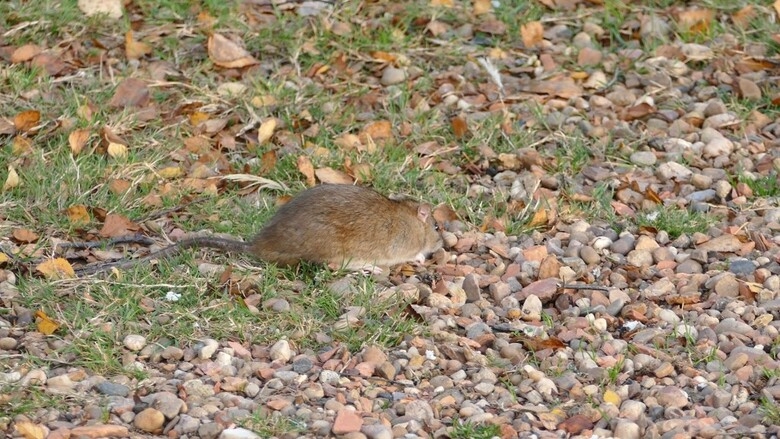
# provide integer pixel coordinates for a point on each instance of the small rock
(717, 147)
(471, 287)
(748, 89)
(672, 397)
(673, 171)
(589, 56)
(742, 267)
(643, 158)
(626, 430)
(208, 348)
(347, 421)
(134, 342)
(238, 433)
(112, 389)
(281, 351)
(722, 243)
(149, 420)
(532, 309)
(8, 343)
(210, 430)
(392, 76)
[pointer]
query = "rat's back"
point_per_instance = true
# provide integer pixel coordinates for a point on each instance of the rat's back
(345, 225)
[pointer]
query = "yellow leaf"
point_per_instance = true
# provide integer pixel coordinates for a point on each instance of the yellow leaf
(532, 33)
(135, 49)
(266, 130)
(58, 268)
(117, 150)
(12, 180)
(777, 6)
(539, 219)
(4, 258)
(264, 101)
(78, 214)
(77, 139)
(21, 145)
(611, 397)
(26, 120)
(446, 3)
(197, 118)
(482, 7)
(171, 172)
(30, 430)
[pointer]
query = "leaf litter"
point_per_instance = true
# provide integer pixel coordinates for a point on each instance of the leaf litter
(610, 268)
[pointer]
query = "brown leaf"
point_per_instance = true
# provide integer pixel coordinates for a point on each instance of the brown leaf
(379, 130)
(576, 424)
(384, 57)
(743, 17)
(6, 126)
(637, 112)
(25, 236)
(131, 92)
(532, 33)
(226, 53)
(332, 176)
(77, 139)
(306, 168)
(492, 26)
(459, 126)
(135, 49)
(53, 269)
(268, 161)
(26, 120)
(25, 53)
(117, 225)
(562, 87)
(776, 4)
(695, 20)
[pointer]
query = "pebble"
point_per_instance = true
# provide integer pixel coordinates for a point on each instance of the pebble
(149, 420)
(134, 342)
(643, 158)
(392, 76)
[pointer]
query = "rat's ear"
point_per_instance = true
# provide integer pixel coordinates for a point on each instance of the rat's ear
(424, 212)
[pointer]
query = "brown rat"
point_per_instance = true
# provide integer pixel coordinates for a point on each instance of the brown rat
(343, 226)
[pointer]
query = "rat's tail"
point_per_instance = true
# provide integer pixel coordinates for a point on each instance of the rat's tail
(223, 244)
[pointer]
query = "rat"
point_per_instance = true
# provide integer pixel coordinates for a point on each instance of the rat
(340, 225)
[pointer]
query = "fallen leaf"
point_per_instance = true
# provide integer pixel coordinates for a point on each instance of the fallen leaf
(78, 214)
(611, 397)
(459, 126)
(379, 130)
(118, 186)
(53, 269)
(306, 168)
(226, 53)
(332, 176)
(264, 101)
(25, 236)
(383, 57)
(4, 258)
(198, 117)
(482, 7)
(21, 146)
(117, 225)
(777, 6)
(117, 150)
(25, 53)
(131, 92)
(576, 424)
(539, 219)
(29, 429)
(112, 8)
(532, 33)
(446, 3)
(268, 161)
(637, 112)
(170, 172)
(695, 20)
(12, 180)
(27, 120)
(135, 49)
(266, 130)
(77, 139)
(562, 87)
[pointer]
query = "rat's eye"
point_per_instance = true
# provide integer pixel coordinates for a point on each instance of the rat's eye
(436, 227)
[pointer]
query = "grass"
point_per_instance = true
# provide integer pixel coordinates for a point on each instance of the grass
(469, 430)
(676, 221)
